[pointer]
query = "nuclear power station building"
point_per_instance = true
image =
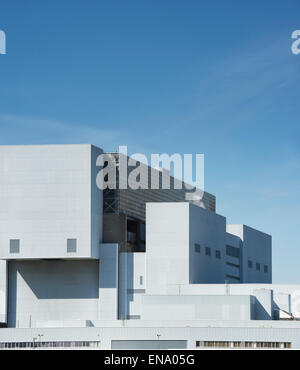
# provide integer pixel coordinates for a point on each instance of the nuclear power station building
(82, 267)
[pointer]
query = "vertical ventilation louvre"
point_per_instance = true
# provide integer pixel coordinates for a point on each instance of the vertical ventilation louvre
(71, 245)
(14, 246)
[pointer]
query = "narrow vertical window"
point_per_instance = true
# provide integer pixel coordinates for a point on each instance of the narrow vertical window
(207, 251)
(14, 246)
(71, 245)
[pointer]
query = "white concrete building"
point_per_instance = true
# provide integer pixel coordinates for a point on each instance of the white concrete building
(67, 278)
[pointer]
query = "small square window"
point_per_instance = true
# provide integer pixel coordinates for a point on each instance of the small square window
(257, 266)
(71, 245)
(218, 254)
(250, 264)
(14, 246)
(266, 268)
(197, 248)
(207, 251)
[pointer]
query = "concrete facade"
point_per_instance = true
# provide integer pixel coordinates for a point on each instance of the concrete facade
(252, 252)
(191, 285)
(41, 291)
(48, 194)
(190, 334)
(190, 245)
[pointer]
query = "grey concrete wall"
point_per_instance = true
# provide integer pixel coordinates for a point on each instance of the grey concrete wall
(96, 200)
(132, 284)
(52, 291)
(264, 308)
(167, 245)
(257, 246)
(48, 195)
(284, 297)
(108, 281)
(172, 230)
(208, 230)
(202, 307)
(259, 331)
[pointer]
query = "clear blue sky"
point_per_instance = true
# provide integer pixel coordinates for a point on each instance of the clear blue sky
(213, 77)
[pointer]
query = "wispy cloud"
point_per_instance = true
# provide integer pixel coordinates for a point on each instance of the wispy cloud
(237, 90)
(17, 129)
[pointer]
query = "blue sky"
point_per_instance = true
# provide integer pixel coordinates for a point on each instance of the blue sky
(212, 77)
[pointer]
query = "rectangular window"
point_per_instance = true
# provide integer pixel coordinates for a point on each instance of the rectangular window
(197, 248)
(207, 251)
(233, 277)
(218, 254)
(71, 245)
(257, 266)
(250, 264)
(14, 246)
(141, 280)
(232, 251)
(266, 268)
(232, 265)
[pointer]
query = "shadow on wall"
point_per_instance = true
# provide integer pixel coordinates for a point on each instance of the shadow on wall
(126, 291)
(53, 280)
(12, 298)
(276, 310)
(260, 312)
